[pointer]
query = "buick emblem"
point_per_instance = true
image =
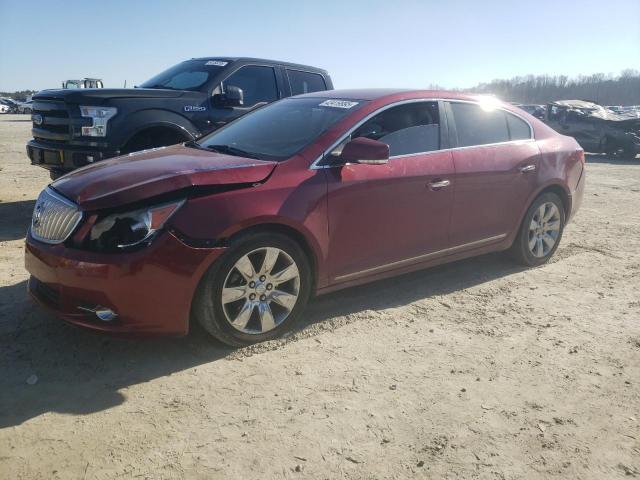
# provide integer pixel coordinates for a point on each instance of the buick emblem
(37, 119)
(37, 214)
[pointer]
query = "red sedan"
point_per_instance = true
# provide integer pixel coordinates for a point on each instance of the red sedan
(304, 196)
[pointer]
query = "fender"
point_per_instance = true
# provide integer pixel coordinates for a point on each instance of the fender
(275, 221)
(144, 119)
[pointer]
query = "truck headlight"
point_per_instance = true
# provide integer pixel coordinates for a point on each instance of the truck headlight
(120, 231)
(100, 117)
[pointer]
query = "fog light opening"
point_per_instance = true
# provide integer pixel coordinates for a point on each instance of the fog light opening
(104, 314)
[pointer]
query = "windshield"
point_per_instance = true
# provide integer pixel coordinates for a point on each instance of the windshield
(281, 129)
(189, 75)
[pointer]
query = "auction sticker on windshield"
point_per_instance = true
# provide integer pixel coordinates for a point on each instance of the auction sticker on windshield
(217, 63)
(338, 104)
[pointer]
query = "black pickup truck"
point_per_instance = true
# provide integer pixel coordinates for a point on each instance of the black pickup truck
(72, 128)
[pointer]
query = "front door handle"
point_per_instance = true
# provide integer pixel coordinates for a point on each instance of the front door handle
(528, 168)
(437, 185)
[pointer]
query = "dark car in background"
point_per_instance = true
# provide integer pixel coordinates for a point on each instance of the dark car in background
(537, 111)
(76, 127)
(305, 196)
(596, 128)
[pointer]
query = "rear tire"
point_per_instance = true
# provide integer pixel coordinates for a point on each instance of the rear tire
(249, 319)
(540, 232)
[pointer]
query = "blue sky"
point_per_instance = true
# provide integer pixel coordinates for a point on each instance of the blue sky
(391, 43)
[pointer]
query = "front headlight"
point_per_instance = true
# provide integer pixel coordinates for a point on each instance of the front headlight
(120, 231)
(100, 117)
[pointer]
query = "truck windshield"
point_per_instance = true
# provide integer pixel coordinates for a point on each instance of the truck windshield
(281, 129)
(189, 75)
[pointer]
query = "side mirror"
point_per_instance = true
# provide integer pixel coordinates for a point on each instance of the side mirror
(366, 151)
(233, 97)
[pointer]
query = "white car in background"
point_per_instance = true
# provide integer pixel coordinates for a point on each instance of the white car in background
(25, 107)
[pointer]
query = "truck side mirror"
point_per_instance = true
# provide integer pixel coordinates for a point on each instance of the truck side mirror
(233, 97)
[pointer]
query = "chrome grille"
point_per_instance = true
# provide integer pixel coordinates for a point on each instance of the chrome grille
(51, 121)
(54, 217)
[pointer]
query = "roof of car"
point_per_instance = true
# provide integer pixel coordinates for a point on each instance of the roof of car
(390, 93)
(263, 60)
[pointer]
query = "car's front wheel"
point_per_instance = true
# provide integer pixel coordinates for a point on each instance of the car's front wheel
(540, 231)
(256, 291)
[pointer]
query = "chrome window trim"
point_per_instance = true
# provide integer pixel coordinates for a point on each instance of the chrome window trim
(315, 166)
(420, 258)
(69, 204)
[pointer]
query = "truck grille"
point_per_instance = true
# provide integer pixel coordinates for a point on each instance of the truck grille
(54, 217)
(51, 121)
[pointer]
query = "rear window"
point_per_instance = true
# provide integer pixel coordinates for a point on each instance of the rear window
(477, 126)
(305, 82)
(518, 128)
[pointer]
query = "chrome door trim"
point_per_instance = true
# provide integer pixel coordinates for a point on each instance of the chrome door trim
(420, 258)
(440, 184)
(315, 166)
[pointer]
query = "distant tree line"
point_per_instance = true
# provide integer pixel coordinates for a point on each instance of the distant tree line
(623, 89)
(21, 95)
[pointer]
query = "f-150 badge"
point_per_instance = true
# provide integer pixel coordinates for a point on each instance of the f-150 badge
(194, 108)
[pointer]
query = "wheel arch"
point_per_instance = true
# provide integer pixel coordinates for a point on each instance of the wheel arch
(559, 190)
(158, 126)
(302, 239)
(554, 186)
(137, 122)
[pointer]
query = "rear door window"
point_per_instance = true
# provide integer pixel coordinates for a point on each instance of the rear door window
(477, 126)
(518, 128)
(257, 83)
(305, 82)
(408, 129)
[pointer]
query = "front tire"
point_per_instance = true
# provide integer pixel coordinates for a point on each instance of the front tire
(540, 232)
(256, 291)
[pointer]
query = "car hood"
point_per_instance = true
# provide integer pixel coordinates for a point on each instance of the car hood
(141, 175)
(80, 94)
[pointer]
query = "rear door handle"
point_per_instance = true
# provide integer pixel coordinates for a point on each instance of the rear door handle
(528, 168)
(439, 184)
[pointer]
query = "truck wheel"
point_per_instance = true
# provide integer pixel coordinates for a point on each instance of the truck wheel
(628, 152)
(540, 232)
(256, 291)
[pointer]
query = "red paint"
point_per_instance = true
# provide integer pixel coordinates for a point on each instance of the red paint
(150, 289)
(354, 218)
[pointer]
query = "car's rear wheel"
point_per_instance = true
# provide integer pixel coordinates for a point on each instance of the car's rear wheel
(256, 292)
(540, 232)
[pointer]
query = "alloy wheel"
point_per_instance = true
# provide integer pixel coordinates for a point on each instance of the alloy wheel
(544, 229)
(260, 290)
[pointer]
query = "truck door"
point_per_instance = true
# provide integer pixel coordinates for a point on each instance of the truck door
(259, 86)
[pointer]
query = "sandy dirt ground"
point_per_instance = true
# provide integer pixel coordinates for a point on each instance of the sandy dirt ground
(478, 369)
